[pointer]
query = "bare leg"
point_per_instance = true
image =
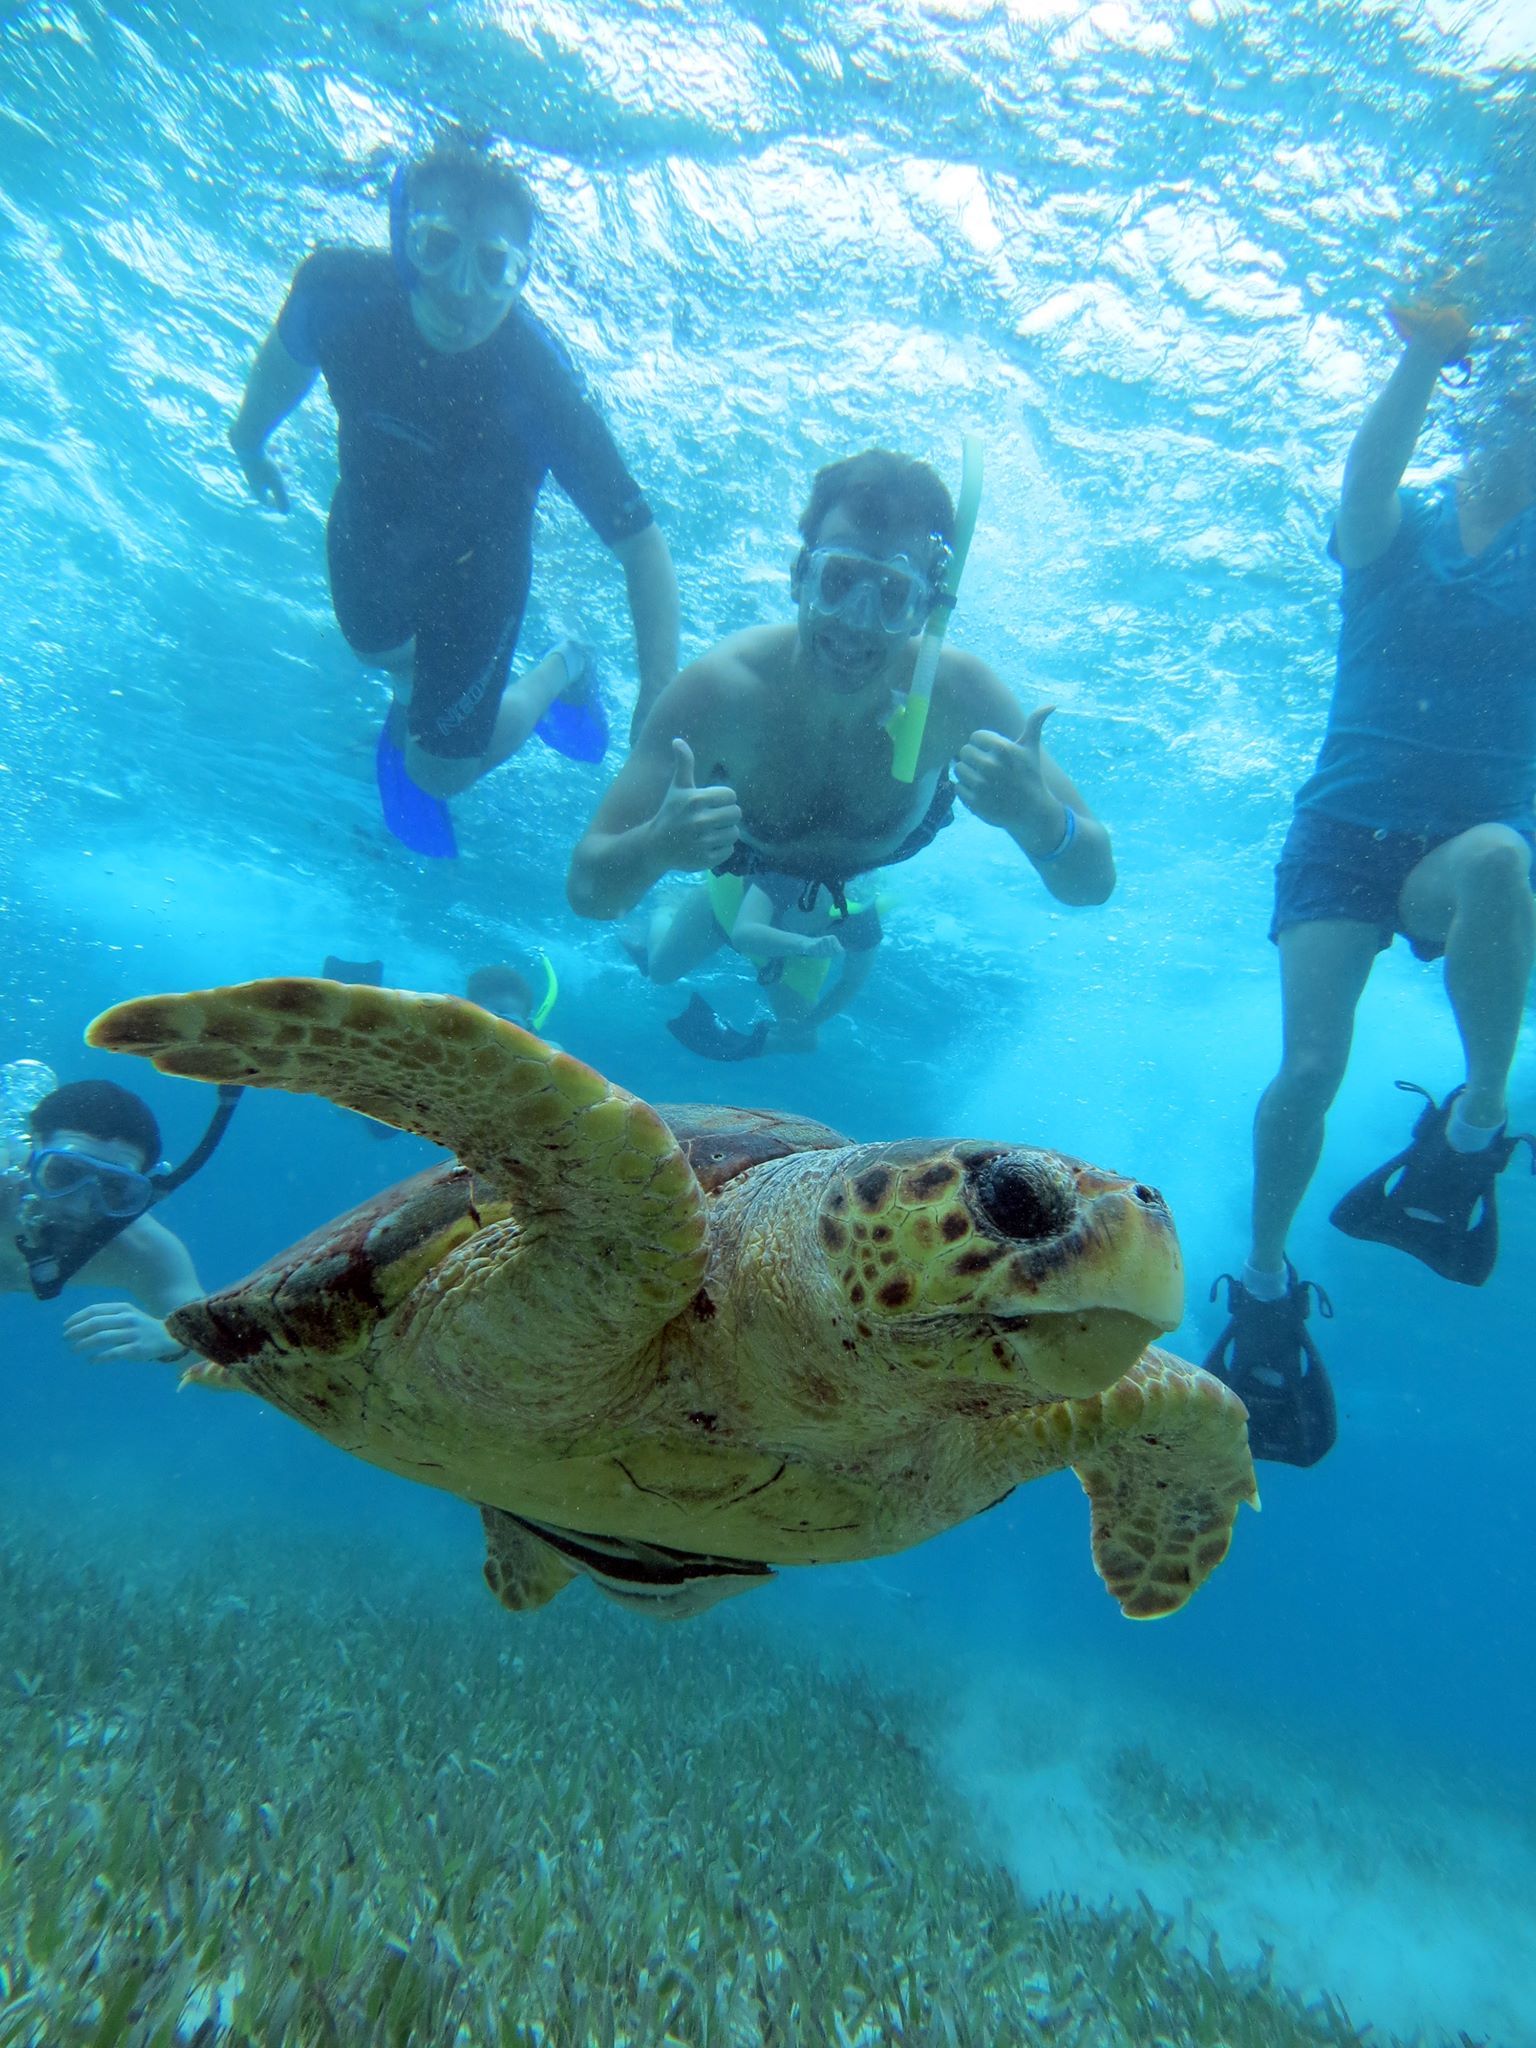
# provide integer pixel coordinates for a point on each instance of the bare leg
(523, 704)
(1473, 895)
(1323, 971)
(682, 935)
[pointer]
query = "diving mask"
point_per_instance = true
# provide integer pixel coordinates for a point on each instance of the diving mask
(117, 1191)
(438, 248)
(864, 591)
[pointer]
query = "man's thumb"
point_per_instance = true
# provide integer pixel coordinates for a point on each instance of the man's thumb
(682, 765)
(1035, 725)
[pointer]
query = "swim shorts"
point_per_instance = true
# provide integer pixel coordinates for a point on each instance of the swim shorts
(396, 578)
(1330, 869)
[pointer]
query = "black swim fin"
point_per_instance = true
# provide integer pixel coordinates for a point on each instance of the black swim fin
(702, 1032)
(369, 972)
(1268, 1360)
(1431, 1201)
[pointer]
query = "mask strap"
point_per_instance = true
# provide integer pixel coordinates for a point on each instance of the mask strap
(167, 1183)
(50, 1267)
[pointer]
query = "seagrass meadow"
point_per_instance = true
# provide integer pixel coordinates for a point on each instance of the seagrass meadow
(294, 1791)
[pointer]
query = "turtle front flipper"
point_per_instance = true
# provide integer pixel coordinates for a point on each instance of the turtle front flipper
(1163, 1458)
(589, 1168)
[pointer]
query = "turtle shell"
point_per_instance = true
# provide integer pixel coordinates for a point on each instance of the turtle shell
(720, 1143)
(326, 1292)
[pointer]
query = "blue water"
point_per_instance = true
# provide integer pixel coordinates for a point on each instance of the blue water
(1145, 249)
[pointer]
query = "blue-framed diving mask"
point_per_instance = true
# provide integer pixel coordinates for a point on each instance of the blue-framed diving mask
(493, 264)
(59, 1175)
(426, 245)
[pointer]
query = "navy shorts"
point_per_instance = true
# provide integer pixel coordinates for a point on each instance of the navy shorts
(397, 577)
(1328, 869)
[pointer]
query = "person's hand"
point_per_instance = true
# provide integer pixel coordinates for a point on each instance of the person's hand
(828, 947)
(119, 1331)
(695, 828)
(1443, 329)
(263, 476)
(1002, 780)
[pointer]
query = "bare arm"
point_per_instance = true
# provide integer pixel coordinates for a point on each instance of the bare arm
(654, 818)
(754, 933)
(1369, 508)
(277, 383)
(652, 586)
(154, 1267)
(1008, 779)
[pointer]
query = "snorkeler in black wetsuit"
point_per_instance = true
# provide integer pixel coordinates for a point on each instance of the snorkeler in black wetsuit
(453, 403)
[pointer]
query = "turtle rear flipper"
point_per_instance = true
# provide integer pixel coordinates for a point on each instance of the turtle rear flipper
(520, 1568)
(650, 1578)
(589, 1167)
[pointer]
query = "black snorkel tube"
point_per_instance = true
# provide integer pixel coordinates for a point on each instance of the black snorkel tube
(54, 1256)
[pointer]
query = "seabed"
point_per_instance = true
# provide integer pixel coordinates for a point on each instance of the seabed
(307, 1792)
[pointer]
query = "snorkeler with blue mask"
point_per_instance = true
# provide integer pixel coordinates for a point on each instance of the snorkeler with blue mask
(454, 402)
(786, 749)
(83, 1174)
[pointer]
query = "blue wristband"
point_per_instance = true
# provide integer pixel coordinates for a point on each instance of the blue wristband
(1068, 834)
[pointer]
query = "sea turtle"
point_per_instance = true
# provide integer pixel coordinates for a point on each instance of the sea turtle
(670, 1350)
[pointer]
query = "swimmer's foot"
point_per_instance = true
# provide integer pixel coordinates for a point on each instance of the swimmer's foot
(576, 723)
(1270, 1362)
(1432, 1201)
(421, 822)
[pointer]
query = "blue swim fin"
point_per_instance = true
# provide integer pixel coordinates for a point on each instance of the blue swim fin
(577, 730)
(421, 822)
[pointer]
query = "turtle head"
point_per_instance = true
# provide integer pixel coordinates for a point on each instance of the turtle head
(1008, 1265)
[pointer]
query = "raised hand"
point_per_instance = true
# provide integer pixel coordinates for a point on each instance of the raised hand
(1002, 780)
(695, 828)
(1444, 329)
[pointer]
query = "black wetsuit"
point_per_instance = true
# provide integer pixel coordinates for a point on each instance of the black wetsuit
(442, 457)
(757, 863)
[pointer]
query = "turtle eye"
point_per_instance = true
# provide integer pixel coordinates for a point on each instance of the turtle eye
(1025, 1197)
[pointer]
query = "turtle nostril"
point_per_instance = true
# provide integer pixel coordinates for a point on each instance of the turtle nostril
(1023, 1197)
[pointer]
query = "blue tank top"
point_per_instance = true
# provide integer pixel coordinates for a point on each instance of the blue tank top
(1433, 723)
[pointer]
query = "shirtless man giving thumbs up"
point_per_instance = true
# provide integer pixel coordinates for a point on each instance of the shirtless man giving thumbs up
(772, 753)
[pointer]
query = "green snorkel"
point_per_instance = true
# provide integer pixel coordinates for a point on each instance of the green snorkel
(909, 720)
(551, 991)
